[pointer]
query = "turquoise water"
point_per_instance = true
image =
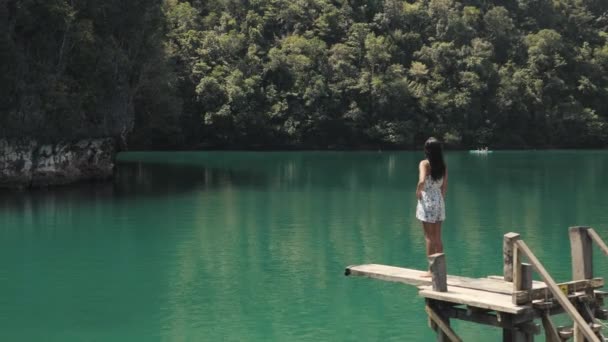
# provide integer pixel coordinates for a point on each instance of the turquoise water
(231, 246)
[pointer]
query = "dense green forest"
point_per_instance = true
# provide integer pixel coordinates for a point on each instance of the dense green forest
(307, 73)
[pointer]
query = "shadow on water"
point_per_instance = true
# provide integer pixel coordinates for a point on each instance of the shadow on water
(159, 174)
(132, 180)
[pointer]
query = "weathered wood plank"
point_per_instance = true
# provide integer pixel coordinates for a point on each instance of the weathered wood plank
(507, 255)
(390, 273)
(598, 240)
(414, 277)
(438, 272)
(476, 298)
(561, 298)
(442, 325)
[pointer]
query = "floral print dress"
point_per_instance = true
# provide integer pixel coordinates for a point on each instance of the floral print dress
(431, 207)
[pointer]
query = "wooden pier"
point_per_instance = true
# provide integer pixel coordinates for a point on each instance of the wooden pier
(513, 301)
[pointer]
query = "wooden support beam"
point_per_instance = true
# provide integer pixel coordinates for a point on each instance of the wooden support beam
(477, 316)
(582, 254)
(561, 298)
(598, 240)
(507, 255)
(445, 328)
(438, 272)
(551, 333)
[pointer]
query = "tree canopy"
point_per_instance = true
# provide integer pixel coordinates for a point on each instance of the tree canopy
(308, 73)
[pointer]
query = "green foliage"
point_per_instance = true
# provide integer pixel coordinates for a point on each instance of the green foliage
(308, 73)
(79, 68)
(318, 74)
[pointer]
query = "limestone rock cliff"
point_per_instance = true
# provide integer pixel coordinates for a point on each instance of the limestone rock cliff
(27, 163)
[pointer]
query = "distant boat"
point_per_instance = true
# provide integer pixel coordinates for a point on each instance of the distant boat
(481, 151)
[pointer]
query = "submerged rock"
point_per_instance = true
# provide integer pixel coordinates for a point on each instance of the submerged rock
(26, 163)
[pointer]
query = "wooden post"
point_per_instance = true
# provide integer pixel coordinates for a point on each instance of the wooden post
(582, 256)
(522, 281)
(515, 335)
(440, 284)
(582, 264)
(438, 272)
(507, 255)
(525, 281)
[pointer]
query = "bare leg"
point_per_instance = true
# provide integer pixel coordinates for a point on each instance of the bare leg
(429, 239)
(438, 242)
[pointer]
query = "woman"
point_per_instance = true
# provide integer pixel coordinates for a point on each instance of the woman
(432, 186)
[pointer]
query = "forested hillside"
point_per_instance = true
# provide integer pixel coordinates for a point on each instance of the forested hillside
(308, 73)
(74, 69)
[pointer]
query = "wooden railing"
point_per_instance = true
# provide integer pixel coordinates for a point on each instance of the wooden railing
(581, 239)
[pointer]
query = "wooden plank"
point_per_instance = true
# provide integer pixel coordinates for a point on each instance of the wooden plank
(561, 298)
(390, 273)
(438, 272)
(507, 255)
(442, 325)
(494, 284)
(536, 284)
(414, 277)
(582, 254)
(475, 298)
(598, 240)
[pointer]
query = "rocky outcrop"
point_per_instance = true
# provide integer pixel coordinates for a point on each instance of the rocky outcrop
(27, 163)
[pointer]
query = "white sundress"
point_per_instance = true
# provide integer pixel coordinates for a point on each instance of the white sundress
(431, 207)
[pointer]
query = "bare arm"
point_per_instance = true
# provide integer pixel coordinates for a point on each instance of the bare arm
(444, 186)
(422, 172)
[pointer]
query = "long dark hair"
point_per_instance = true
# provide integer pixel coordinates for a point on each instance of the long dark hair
(434, 154)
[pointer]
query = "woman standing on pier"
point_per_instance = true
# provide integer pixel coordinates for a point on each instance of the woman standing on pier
(431, 189)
